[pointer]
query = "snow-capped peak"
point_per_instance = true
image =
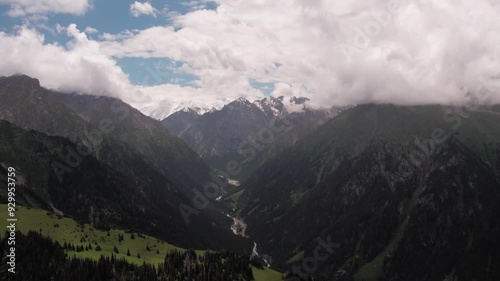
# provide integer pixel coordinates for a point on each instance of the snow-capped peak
(278, 106)
(241, 100)
(271, 106)
(198, 110)
(157, 112)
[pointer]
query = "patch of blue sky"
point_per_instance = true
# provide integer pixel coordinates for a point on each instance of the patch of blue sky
(109, 16)
(6, 22)
(265, 87)
(189, 5)
(113, 16)
(43, 24)
(155, 71)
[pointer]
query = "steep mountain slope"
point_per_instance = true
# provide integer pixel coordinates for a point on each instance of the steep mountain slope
(398, 188)
(136, 149)
(141, 134)
(111, 197)
(95, 122)
(246, 132)
(27, 104)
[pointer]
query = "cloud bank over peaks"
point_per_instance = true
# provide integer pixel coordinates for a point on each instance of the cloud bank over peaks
(332, 52)
(405, 52)
(78, 67)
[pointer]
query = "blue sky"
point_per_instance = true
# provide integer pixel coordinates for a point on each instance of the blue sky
(114, 17)
(111, 16)
(156, 70)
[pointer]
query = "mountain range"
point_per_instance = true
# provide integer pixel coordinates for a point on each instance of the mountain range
(86, 144)
(368, 192)
(247, 132)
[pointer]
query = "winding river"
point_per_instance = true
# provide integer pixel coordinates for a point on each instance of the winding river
(239, 228)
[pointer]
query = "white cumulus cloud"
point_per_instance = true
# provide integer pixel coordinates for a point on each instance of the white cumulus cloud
(78, 67)
(82, 67)
(90, 30)
(138, 8)
(406, 52)
(334, 52)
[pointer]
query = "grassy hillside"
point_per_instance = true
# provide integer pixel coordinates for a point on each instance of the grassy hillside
(66, 230)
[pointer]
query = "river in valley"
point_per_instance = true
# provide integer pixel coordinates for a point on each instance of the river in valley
(239, 228)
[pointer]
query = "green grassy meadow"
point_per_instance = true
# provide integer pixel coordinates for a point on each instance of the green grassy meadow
(66, 230)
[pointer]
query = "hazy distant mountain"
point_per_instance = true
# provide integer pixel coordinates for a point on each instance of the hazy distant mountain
(181, 120)
(400, 189)
(156, 169)
(268, 125)
(162, 110)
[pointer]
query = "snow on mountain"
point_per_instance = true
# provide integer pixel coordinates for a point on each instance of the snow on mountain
(280, 106)
(163, 110)
(198, 110)
(239, 102)
(271, 106)
(156, 112)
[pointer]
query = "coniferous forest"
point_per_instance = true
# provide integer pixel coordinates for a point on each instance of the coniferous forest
(41, 259)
